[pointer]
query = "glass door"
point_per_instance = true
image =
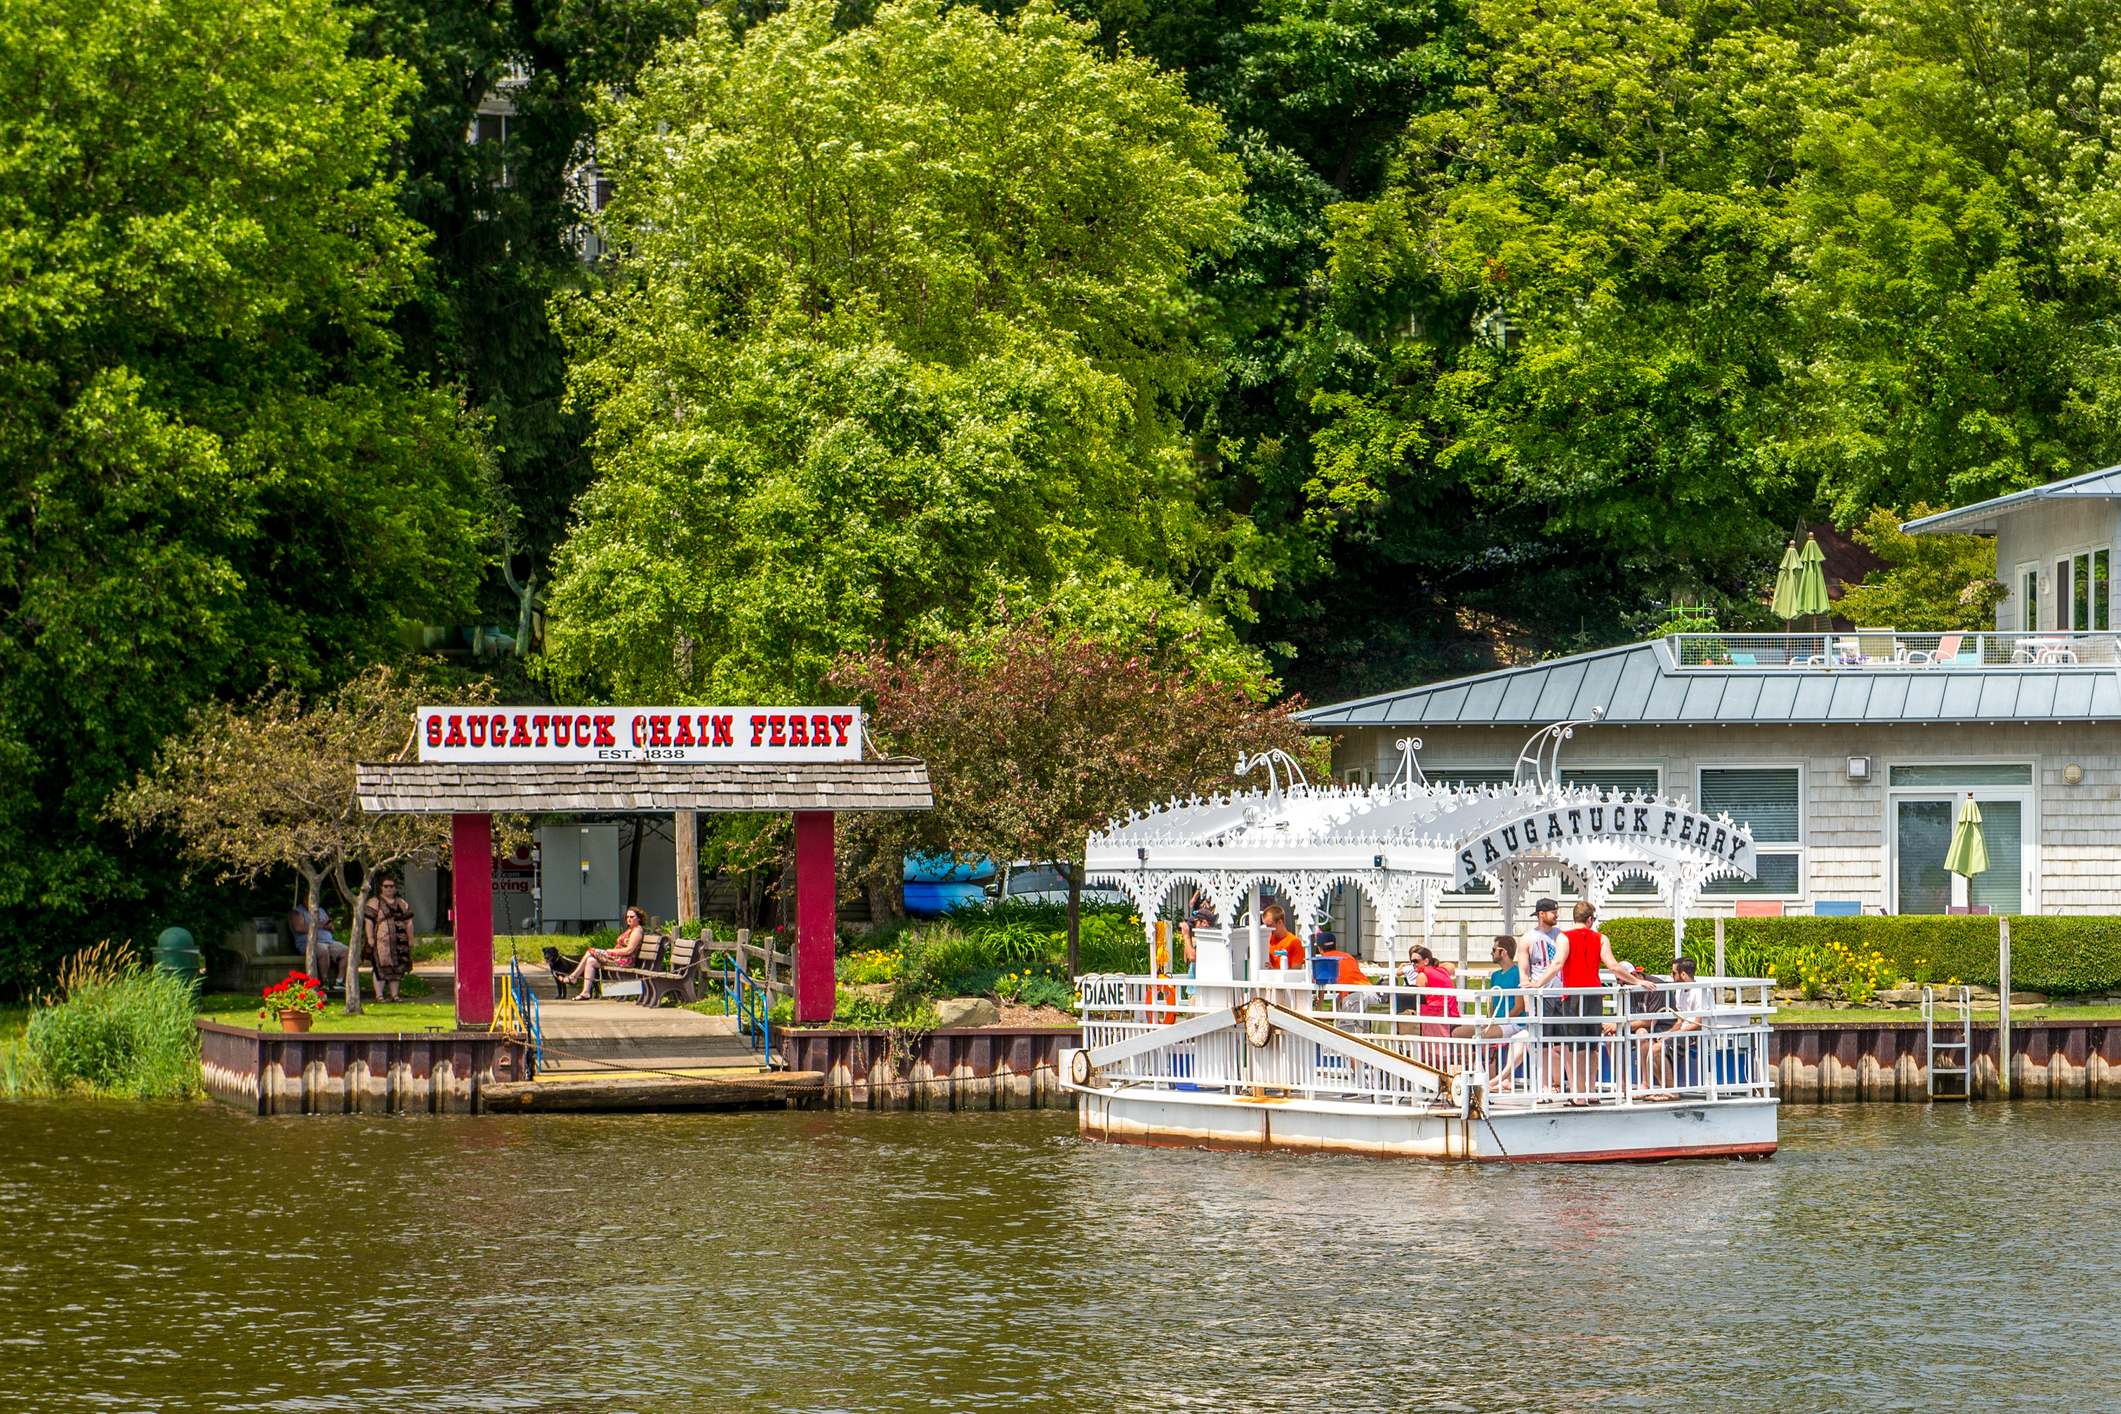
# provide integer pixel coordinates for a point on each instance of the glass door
(1922, 836)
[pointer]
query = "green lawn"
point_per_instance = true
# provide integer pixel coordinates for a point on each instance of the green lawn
(238, 1009)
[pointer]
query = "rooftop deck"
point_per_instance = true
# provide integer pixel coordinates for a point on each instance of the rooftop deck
(1885, 650)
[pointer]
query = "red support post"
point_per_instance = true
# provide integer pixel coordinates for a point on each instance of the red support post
(816, 923)
(471, 890)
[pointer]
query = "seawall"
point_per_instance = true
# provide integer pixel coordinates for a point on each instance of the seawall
(322, 1072)
(1840, 1061)
(955, 1068)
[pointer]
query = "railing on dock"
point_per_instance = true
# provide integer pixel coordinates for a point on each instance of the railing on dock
(1706, 1040)
(748, 996)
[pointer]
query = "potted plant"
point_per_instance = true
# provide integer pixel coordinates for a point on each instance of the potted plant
(295, 1001)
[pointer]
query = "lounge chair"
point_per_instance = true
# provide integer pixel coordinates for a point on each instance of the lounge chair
(1946, 651)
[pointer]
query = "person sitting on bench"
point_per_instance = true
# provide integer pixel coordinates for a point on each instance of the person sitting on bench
(620, 954)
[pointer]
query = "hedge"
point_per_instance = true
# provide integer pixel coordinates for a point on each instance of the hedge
(2048, 954)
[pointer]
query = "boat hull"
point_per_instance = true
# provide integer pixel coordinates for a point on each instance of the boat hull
(1598, 1134)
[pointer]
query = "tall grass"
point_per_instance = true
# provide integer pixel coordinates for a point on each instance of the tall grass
(117, 1029)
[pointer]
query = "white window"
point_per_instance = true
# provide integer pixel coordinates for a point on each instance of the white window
(2028, 598)
(2082, 599)
(1771, 800)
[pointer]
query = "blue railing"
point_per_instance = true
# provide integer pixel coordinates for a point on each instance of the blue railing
(527, 1008)
(747, 999)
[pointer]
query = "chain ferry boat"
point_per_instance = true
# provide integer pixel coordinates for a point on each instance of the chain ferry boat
(1238, 1054)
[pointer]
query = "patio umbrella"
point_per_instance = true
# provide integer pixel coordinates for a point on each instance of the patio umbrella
(1968, 855)
(1810, 598)
(1784, 604)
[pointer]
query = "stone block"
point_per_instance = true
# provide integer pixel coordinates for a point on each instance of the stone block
(968, 1011)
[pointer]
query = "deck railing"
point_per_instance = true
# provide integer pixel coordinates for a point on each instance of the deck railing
(1884, 649)
(1539, 1059)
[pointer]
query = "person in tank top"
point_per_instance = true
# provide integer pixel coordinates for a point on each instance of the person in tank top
(1583, 951)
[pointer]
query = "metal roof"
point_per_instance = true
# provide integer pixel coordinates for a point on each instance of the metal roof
(1982, 517)
(1639, 684)
(653, 787)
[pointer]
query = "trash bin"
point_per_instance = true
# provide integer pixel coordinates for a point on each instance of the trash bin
(178, 954)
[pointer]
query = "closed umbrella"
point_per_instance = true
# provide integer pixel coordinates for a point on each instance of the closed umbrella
(1968, 855)
(1811, 581)
(1784, 604)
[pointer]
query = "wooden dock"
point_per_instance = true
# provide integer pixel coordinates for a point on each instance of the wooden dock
(729, 1090)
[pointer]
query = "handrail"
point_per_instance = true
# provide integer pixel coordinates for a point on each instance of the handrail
(525, 999)
(1891, 650)
(1713, 1050)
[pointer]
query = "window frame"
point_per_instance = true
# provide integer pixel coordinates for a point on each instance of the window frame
(1801, 847)
(2030, 824)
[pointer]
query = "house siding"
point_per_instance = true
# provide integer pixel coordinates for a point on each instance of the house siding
(2076, 834)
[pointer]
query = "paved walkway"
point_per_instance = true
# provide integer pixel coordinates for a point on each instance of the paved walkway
(620, 1037)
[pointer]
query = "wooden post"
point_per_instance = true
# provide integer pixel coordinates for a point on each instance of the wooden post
(815, 915)
(471, 879)
(1464, 929)
(688, 851)
(1719, 945)
(2003, 1010)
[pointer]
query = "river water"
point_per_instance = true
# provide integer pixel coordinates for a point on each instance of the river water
(165, 1257)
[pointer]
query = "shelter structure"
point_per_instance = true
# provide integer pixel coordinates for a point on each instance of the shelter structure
(1404, 843)
(473, 792)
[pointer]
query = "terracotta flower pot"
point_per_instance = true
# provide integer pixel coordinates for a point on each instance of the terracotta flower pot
(295, 1020)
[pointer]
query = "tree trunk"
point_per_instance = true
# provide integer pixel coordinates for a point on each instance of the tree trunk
(358, 902)
(1075, 920)
(354, 947)
(313, 879)
(688, 856)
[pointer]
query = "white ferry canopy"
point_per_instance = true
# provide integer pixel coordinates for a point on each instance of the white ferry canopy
(1410, 840)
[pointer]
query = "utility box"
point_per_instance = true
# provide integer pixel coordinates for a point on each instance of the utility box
(579, 873)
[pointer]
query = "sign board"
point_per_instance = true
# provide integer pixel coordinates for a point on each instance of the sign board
(724, 734)
(1645, 824)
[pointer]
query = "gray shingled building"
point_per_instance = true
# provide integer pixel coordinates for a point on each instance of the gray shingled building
(1849, 754)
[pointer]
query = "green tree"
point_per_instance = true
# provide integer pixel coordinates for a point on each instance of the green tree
(1961, 258)
(269, 786)
(1936, 583)
(899, 329)
(1035, 738)
(506, 199)
(214, 470)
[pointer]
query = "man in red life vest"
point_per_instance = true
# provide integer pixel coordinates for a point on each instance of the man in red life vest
(1583, 950)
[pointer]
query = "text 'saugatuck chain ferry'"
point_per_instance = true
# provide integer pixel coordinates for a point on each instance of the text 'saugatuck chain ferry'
(1237, 1055)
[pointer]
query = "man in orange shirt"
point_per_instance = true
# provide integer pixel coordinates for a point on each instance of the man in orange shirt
(1347, 972)
(1284, 948)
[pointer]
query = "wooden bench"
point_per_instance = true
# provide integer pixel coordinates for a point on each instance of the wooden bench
(688, 968)
(627, 981)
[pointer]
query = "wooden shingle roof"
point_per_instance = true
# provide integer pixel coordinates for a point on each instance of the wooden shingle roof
(625, 787)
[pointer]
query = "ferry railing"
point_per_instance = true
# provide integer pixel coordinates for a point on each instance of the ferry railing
(1705, 1040)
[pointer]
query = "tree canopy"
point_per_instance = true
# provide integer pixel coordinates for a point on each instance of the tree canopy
(214, 469)
(899, 327)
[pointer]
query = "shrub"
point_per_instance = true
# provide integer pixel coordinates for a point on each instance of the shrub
(1046, 991)
(2064, 955)
(121, 1030)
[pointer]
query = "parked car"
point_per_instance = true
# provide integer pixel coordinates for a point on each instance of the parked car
(1028, 882)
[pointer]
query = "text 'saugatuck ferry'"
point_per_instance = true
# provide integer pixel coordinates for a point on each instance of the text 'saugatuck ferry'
(1238, 1055)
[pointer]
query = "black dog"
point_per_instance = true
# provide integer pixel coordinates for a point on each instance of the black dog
(560, 966)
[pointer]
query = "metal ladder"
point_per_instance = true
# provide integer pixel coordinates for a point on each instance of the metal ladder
(1964, 1005)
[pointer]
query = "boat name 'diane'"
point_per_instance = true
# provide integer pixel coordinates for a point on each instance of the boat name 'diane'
(1627, 822)
(725, 734)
